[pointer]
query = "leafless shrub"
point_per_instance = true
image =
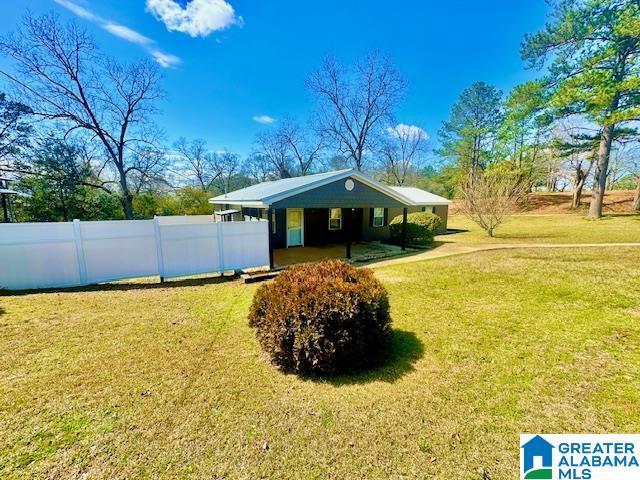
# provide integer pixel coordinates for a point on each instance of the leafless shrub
(489, 198)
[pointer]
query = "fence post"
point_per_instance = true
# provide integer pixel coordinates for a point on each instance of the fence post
(404, 228)
(220, 246)
(269, 237)
(82, 263)
(156, 228)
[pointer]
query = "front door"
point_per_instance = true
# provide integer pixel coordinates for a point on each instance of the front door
(295, 227)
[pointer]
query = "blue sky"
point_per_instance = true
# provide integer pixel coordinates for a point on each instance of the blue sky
(230, 62)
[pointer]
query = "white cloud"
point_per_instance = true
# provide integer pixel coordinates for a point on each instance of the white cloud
(407, 131)
(198, 18)
(127, 34)
(264, 119)
(77, 9)
(164, 59)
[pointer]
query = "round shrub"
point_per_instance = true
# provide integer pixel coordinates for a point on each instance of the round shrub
(421, 227)
(323, 318)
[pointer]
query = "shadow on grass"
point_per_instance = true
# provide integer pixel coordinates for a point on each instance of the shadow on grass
(452, 231)
(406, 349)
(126, 286)
(412, 250)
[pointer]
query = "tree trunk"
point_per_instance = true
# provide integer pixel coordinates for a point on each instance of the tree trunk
(600, 176)
(126, 199)
(636, 197)
(578, 185)
(127, 205)
(576, 196)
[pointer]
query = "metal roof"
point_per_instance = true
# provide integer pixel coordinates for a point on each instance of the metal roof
(226, 212)
(262, 191)
(266, 193)
(421, 197)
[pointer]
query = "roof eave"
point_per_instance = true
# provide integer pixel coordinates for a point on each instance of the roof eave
(242, 203)
(426, 204)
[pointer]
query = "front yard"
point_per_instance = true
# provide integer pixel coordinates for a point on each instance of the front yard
(145, 381)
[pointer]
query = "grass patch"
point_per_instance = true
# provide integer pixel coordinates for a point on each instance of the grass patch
(169, 382)
(550, 229)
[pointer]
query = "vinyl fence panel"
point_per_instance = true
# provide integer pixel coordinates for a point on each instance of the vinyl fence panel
(189, 249)
(119, 249)
(47, 255)
(38, 255)
(245, 244)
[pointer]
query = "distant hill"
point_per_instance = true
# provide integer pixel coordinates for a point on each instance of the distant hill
(617, 201)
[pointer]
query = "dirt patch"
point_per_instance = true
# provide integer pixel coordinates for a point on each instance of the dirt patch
(618, 201)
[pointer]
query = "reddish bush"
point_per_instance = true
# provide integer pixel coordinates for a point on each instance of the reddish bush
(323, 318)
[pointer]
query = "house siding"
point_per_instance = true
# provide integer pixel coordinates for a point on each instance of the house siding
(443, 212)
(279, 238)
(335, 195)
(370, 232)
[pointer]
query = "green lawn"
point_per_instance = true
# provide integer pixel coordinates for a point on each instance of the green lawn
(551, 229)
(139, 381)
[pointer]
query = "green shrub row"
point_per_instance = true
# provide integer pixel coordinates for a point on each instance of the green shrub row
(421, 227)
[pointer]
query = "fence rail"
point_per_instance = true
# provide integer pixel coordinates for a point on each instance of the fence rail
(52, 255)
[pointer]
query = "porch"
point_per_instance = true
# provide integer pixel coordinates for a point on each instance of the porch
(360, 252)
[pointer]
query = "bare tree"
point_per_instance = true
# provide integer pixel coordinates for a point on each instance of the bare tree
(147, 169)
(199, 164)
(402, 151)
(257, 168)
(66, 79)
(576, 149)
(275, 148)
(14, 130)
(490, 198)
(305, 145)
(633, 166)
(354, 103)
(617, 166)
(230, 167)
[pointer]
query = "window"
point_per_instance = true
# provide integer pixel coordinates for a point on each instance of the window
(430, 209)
(335, 219)
(378, 217)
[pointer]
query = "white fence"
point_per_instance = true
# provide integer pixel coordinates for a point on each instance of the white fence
(48, 255)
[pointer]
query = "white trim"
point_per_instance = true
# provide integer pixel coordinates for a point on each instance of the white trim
(340, 218)
(373, 219)
(241, 203)
(419, 200)
(286, 230)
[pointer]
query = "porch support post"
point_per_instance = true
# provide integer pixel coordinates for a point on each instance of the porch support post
(5, 208)
(270, 235)
(348, 231)
(404, 228)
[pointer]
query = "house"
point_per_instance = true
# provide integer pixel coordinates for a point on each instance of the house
(326, 208)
